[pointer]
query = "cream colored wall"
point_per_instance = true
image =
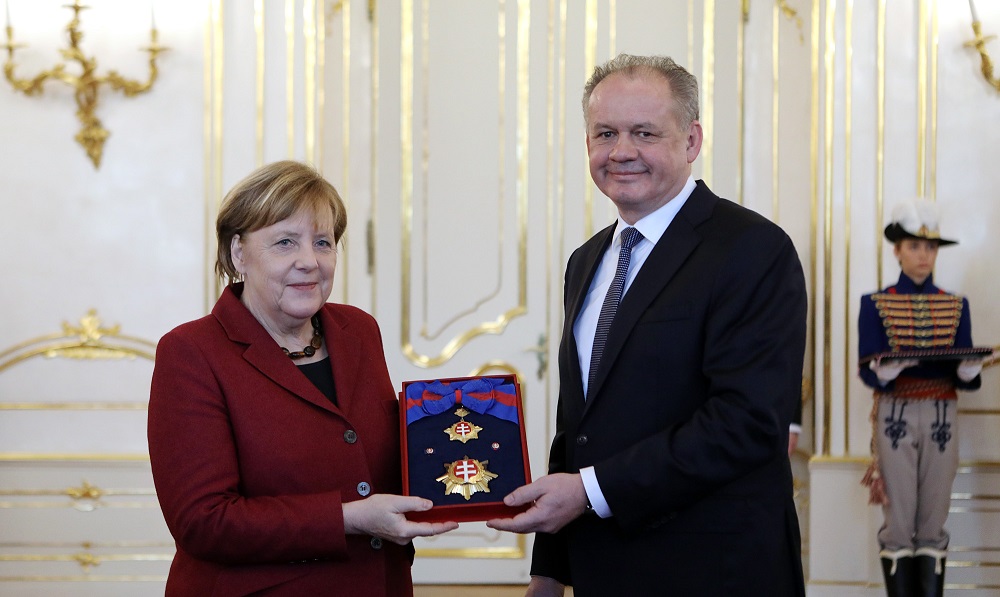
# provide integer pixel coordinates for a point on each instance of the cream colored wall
(465, 144)
(124, 239)
(76, 500)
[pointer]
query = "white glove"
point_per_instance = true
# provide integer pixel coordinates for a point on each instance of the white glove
(889, 370)
(968, 369)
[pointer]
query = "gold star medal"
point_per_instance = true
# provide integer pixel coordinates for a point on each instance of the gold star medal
(466, 476)
(463, 431)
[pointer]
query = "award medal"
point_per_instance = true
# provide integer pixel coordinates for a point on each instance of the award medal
(466, 476)
(463, 431)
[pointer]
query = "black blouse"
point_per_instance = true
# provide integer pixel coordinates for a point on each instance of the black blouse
(320, 374)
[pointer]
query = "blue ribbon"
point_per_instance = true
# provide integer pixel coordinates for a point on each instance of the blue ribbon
(484, 395)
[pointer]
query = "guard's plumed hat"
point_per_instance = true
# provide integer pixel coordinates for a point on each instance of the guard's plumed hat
(915, 218)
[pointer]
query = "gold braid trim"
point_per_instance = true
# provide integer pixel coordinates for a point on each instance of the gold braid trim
(873, 475)
(919, 320)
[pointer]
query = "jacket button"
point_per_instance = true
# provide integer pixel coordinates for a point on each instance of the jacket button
(364, 489)
(376, 543)
(350, 436)
(581, 440)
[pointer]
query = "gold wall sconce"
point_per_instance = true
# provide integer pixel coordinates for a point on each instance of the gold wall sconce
(86, 84)
(979, 43)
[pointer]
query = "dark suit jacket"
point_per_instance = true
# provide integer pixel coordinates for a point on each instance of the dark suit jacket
(251, 462)
(687, 423)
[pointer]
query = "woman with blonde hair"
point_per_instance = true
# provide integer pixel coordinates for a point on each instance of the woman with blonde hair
(273, 425)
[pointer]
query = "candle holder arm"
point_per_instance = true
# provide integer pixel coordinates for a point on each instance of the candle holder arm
(985, 61)
(132, 87)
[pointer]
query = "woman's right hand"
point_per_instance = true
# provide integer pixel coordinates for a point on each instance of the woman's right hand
(382, 515)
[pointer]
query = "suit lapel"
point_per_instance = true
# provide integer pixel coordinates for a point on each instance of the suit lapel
(667, 257)
(590, 255)
(582, 275)
(261, 352)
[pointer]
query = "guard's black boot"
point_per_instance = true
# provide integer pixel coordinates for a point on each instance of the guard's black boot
(898, 570)
(930, 571)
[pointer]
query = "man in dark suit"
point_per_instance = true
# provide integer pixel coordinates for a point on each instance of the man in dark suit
(669, 472)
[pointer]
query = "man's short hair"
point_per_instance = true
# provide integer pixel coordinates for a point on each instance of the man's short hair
(683, 85)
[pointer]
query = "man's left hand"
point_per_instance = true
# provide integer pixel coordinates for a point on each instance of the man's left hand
(555, 501)
(793, 442)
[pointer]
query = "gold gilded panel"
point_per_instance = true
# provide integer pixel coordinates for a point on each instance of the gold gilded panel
(86, 577)
(829, 53)
(119, 561)
(290, 76)
(55, 521)
(90, 340)
(880, 138)
(932, 124)
(847, 199)
(814, 208)
(589, 62)
(708, 91)
(921, 99)
(310, 58)
(84, 498)
(418, 140)
(75, 457)
(371, 231)
(515, 552)
(258, 25)
(212, 132)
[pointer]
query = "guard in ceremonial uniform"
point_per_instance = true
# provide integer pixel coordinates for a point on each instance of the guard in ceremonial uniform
(915, 414)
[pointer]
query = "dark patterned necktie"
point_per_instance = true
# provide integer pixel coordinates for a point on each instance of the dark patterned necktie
(630, 237)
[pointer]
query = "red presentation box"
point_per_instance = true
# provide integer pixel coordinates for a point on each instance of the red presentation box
(463, 446)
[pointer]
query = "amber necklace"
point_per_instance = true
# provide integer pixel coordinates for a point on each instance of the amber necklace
(314, 344)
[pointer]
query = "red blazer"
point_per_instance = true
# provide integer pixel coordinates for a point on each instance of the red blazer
(252, 462)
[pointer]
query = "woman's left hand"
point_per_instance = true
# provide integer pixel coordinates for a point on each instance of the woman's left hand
(383, 515)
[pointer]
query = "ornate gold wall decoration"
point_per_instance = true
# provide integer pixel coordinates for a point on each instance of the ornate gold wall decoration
(87, 560)
(88, 341)
(979, 43)
(84, 498)
(55, 513)
(792, 15)
(86, 85)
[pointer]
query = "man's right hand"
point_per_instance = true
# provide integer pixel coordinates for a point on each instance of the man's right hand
(555, 500)
(543, 586)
